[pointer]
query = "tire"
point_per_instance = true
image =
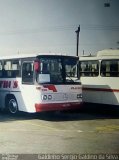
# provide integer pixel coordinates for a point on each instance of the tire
(11, 104)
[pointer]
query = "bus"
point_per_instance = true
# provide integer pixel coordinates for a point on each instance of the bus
(100, 77)
(39, 82)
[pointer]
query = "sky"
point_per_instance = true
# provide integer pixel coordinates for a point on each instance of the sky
(36, 26)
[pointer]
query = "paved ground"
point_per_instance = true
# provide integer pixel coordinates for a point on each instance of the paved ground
(79, 132)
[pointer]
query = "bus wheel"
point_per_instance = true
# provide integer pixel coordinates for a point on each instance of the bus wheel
(12, 105)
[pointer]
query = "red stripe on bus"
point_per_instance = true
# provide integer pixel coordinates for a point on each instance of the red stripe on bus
(100, 89)
(50, 87)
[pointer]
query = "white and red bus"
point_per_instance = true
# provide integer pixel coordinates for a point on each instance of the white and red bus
(43, 82)
(100, 77)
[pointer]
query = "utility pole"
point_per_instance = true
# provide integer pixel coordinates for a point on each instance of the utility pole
(77, 33)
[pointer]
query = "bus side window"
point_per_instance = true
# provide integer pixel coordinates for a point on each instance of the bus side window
(114, 68)
(89, 68)
(27, 72)
(16, 68)
(105, 68)
(11, 68)
(109, 68)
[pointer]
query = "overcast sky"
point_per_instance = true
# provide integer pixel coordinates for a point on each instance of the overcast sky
(33, 26)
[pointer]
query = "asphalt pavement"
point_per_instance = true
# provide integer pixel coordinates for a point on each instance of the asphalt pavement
(88, 131)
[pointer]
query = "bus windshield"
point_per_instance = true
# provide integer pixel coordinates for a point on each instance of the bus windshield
(57, 70)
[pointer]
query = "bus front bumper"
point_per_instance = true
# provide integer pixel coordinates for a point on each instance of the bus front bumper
(58, 106)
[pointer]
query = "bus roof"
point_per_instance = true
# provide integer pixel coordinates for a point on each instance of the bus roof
(103, 54)
(108, 52)
(31, 55)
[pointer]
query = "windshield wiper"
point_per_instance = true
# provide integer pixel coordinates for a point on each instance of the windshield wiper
(71, 80)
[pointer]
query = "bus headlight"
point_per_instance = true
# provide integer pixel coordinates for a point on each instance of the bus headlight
(49, 97)
(44, 97)
(79, 96)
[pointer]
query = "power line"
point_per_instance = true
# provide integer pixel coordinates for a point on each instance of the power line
(101, 27)
(61, 29)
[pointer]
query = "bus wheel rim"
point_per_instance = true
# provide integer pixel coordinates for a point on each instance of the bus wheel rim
(13, 106)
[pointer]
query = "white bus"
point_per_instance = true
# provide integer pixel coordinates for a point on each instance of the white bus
(43, 82)
(100, 77)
